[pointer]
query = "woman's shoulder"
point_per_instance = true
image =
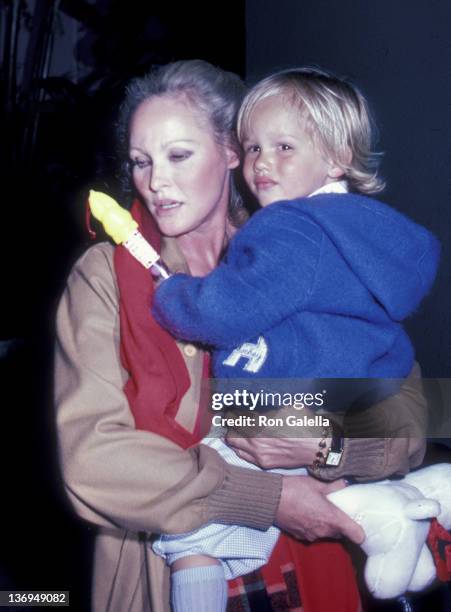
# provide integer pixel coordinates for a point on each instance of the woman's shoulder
(96, 256)
(94, 270)
(97, 259)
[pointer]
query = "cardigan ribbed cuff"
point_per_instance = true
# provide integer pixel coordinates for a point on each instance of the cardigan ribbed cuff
(246, 497)
(363, 459)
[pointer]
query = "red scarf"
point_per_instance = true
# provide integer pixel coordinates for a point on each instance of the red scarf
(439, 540)
(158, 375)
(158, 380)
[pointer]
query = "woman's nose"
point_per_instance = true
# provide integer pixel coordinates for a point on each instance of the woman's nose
(158, 178)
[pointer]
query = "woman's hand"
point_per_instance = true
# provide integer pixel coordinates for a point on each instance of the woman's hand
(306, 513)
(270, 453)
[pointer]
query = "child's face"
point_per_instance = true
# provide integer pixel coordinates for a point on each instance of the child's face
(280, 160)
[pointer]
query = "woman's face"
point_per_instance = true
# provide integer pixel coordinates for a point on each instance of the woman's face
(178, 168)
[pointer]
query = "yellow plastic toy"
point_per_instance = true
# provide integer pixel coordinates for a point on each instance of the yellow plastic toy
(117, 222)
(123, 229)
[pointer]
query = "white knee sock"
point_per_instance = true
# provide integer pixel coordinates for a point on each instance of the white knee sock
(199, 589)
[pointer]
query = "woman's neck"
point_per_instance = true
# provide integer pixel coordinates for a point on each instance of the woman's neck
(202, 250)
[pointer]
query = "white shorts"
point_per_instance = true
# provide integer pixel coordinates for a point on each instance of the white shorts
(239, 549)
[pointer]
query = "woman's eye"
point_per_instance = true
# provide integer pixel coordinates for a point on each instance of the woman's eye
(140, 163)
(178, 156)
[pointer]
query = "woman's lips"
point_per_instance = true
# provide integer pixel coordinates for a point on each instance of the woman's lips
(166, 206)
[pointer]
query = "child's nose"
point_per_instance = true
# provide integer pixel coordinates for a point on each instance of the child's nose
(262, 163)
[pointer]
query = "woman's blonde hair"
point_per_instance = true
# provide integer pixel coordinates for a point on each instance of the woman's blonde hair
(336, 116)
(215, 93)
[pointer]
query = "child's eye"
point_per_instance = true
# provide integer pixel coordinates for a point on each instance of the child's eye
(178, 156)
(140, 163)
(252, 149)
(285, 147)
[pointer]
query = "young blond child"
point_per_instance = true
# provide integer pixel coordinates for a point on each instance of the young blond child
(316, 284)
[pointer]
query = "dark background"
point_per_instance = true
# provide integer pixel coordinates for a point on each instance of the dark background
(57, 140)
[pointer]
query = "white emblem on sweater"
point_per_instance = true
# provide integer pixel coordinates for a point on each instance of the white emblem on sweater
(254, 353)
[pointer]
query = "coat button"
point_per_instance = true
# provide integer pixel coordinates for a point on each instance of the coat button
(189, 350)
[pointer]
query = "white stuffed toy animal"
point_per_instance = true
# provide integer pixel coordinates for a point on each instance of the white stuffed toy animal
(394, 516)
(435, 483)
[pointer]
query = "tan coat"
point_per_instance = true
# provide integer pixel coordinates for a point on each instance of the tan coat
(134, 483)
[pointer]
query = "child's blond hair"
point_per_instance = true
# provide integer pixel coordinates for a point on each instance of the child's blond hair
(336, 117)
